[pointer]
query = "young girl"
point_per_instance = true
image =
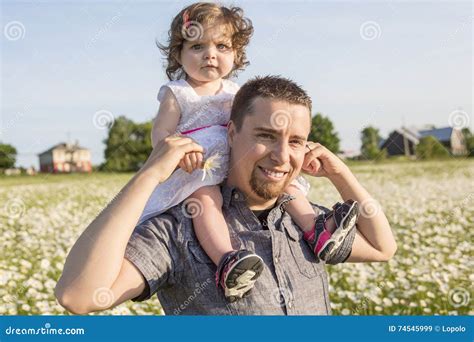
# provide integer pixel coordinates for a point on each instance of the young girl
(206, 46)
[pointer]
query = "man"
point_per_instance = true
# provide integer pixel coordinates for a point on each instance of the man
(109, 265)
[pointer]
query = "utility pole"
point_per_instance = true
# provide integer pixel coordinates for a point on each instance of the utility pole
(406, 147)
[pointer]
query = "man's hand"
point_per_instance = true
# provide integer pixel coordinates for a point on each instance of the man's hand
(191, 161)
(166, 155)
(320, 162)
(374, 240)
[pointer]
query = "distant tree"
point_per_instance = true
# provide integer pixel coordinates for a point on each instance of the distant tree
(127, 145)
(140, 143)
(469, 140)
(7, 156)
(429, 147)
(323, 132)
(370, 149)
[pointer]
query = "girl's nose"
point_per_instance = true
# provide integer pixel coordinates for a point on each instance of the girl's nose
(210, 53)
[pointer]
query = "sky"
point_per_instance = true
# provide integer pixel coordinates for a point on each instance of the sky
(69, 66)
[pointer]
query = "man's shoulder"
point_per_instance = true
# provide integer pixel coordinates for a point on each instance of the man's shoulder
(172, 223)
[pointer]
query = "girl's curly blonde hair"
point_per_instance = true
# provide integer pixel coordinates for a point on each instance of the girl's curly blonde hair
(188, 25)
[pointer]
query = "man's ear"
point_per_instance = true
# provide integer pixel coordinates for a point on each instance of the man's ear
(231, 130)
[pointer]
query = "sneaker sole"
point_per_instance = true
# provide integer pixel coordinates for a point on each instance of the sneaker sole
(242, 276)
(337, 238)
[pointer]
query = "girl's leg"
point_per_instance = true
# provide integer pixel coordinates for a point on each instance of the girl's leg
(302, 212)
(236, 271)
(321, 232)
(210, 226)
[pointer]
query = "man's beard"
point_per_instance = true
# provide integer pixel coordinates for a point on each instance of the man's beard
(268, 190)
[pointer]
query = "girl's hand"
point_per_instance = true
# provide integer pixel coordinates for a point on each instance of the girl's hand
(320, 162)
(166, 155)
(191, 161)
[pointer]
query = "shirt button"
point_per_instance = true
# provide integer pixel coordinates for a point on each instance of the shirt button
(276, 260)
(236, 196)
(290, 305)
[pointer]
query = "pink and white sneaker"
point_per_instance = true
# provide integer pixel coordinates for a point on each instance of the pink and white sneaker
(324, 243)
(237, 272)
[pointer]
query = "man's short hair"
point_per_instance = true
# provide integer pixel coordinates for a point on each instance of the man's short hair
(268, 87)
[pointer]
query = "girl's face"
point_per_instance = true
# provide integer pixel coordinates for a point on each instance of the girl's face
(209, 58)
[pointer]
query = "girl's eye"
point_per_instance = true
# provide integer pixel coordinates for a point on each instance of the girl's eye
(196, 47)
(222, 47)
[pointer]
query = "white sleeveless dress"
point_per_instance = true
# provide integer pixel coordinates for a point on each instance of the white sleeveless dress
(203, 118)
(211, 112)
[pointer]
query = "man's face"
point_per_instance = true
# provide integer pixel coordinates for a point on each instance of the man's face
(268, 151)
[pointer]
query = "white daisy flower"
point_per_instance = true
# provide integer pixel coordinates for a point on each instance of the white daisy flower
(210, 165)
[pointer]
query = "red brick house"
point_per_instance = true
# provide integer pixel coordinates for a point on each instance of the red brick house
(65, 158)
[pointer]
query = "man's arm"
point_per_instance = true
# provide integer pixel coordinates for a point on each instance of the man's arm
(374, 240)
(96, 276)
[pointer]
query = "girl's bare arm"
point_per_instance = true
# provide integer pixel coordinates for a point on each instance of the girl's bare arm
(167, 119)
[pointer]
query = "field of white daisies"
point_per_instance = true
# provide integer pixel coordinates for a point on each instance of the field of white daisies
(430, 206)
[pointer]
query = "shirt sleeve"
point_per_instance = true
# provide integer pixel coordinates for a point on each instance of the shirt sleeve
(345, 249)
(152, 249)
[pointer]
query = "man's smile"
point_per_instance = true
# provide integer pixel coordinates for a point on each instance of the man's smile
(273, 174)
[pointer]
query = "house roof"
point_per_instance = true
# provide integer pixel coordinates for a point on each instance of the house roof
(409, 134)
(442, 134)
(64, 146)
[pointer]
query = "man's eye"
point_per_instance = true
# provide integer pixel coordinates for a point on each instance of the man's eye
(297, 142)
(265, 136)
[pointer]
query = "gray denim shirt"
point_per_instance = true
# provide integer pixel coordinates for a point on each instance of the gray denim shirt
(167, 253)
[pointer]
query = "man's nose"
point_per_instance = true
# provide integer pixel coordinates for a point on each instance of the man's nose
(280, 153)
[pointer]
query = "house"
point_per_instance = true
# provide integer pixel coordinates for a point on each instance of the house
(65, 157)
(403, 141)
(12, 172)
(451, 138)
